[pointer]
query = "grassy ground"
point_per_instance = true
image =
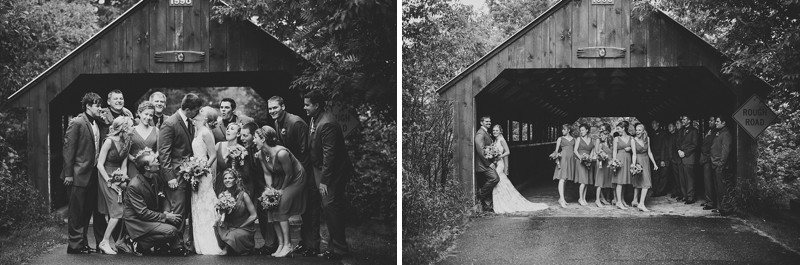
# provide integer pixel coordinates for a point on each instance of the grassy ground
(19, 246)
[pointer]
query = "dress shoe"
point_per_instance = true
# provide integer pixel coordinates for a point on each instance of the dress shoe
(704, 204)
(161, 250)
(722, 212)
(689, 201)
(330, 255)
(265, 250)
(709, 207)
(305, 252)
(83, 250)
(125, 245)
(181, 252)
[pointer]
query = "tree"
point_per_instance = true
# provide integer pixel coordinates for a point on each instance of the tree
(511, 15)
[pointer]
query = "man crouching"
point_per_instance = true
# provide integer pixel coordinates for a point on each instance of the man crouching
(145, 224)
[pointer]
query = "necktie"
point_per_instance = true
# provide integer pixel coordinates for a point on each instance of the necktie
(190, 125)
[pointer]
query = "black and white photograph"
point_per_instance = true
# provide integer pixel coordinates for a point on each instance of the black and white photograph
(600, 132)
(182, 131)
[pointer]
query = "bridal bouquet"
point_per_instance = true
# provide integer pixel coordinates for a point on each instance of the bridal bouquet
(270, 198)
(586, 160)
(236, 155)
(193, 169)
(636, 169)
(491, 152)
(118, 177)
(225, 203)
(615, 165)
(555, 156)
(601, 157)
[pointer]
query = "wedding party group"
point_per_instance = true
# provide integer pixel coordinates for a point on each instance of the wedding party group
(196, 181)
(616, 159)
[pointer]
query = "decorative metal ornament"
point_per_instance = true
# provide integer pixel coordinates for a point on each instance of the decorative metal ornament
(602, 2)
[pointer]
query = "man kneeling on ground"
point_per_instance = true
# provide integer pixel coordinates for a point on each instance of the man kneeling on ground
(145, 224)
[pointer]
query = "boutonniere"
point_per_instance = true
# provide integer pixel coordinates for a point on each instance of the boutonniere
(161, 194)
(283, 131)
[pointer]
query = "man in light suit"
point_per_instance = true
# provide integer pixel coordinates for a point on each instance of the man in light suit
(483, 171)
(174, 146)
(687, 151)
(227, 108)
(144, 221)
(81, 147)
(332, 170)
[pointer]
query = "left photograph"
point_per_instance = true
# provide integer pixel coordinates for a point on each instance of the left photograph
(164, 131)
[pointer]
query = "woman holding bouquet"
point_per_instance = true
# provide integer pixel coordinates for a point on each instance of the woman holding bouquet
(230, 154)
(583, 150)
(642, 155)
(113, 158)
(235, 232)
(281, 166)
(622, 153)
(603, 173)
(565, 166)
(505, 197)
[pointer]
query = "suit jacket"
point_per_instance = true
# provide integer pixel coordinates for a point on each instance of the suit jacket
(158, 120)
(721, 148)
(80, 152)
(328, 152)
(657, 139)
(669, 152)
(688, 144)
(482, 139)
(253, 174)
(174, 145)
(141, 206)
(705, 149)
(293, 134)
(219, 130)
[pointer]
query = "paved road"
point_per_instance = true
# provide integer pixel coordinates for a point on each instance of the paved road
(615, 240)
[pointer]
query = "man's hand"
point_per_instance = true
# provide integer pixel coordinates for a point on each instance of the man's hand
(173, 184)
(323, 190)
(68, 181)
(173, 218)
(681, 153)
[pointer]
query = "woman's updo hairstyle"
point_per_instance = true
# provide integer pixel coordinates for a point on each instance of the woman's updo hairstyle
(269, 135)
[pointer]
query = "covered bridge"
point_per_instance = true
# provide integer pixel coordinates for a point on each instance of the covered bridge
(592, 58)
(155, 44)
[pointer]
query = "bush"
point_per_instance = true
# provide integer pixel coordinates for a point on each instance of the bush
(373, 151)
(20, 203)
(775, 184)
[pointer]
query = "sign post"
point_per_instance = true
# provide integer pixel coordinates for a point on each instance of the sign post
(344, 115)
(754, 116)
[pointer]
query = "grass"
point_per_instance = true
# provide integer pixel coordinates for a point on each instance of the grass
(19, 246)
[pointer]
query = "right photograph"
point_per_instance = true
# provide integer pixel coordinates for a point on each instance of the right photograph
(600, 132)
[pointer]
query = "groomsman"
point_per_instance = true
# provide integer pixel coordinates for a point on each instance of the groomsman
(672, 160)
(159, 100)
(253, 180)
(705, 163)
(687, 149)
(227, 108)
(332, 170)
(657, 139)
(81, 146)
(116, 107)
(483, 170)
(293, 134)
(720, 154)
(174, 145)
(143, 220)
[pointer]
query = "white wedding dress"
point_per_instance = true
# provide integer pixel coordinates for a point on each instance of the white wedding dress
(506, 198)
(204, 214)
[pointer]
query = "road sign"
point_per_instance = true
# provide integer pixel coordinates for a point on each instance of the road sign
(346, 118)
(754, 116)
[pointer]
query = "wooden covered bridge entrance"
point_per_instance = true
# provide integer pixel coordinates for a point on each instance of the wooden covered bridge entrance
(592, 58)
(155, 44)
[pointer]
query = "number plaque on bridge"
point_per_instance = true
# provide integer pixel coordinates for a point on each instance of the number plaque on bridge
(180, 2)
(754, 116)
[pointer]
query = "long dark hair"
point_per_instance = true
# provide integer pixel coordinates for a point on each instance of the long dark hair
(237, 185)
(624, 125)
(607, 128)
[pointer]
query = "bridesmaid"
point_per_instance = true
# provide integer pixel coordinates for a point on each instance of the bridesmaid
(235, 233)
(144, 134)
(278, 163)
(565, 169)
(603, 174)
(113, 156)
(643, 156)
(231, 135)
(622, 152)
(583, 175)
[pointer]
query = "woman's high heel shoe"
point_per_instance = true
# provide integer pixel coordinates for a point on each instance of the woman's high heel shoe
(621, 206)
(634, 203)
(598, 203)
(105, 248)
(277, 251)
(642, 208)
(284, 252)
(563, 203)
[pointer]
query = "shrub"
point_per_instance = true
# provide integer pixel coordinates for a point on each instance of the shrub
(775, 184)
(20, 203)
(373, 151)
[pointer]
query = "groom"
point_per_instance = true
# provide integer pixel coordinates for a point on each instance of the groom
(483, 172)
(174, 146)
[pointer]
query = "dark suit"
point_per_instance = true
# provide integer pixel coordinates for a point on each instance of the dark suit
(688, 144)
(657, 139)
(333, 168)
(253, 178)
(705, 163)
(80, 163)
(483, 169)
(670, 155)
(219, 130)
(720, 152)
(174, 145)
(143, 220)
(293, 134)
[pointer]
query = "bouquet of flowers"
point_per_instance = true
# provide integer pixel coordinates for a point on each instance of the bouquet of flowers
(236, 155)
(636, 169)
(225, 203)
(193, 169)
(555, 156)
(270, 198)
(491, 152)
(118, 177)
(586, 160)
(615, 165)
(602, 157)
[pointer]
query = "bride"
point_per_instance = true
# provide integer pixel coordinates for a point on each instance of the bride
(505, 197)
(204, 199)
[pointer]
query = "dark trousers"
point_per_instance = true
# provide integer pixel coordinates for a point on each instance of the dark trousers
(660, 178)
(309, 230)
(687, 181)
(721, 188)
(333, 208)
(82, 206)
(267, 229)
(163, 233)
(178, 202)
(675, 175)
(489, 179)
(708, 183)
